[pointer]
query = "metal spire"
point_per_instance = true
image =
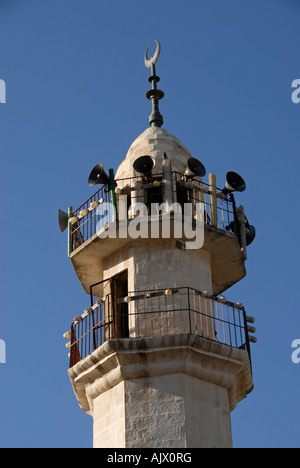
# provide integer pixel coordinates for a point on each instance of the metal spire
(154, 94)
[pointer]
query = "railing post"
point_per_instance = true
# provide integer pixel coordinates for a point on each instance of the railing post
(113, 193)
(236, 221)
(167, 171)
(247, 336)
(213, 200)
(189, 306)
(70, 212)
(242, 225)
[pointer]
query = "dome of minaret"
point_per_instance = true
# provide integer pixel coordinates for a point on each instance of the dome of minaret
(155, 142)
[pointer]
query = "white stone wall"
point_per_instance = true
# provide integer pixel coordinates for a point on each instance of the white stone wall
(109, 418)
(167, 411)
(176, 411)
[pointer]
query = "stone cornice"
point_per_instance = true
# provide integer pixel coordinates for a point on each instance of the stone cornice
(123, 359)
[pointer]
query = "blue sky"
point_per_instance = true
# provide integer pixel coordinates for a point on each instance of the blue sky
(76, 86)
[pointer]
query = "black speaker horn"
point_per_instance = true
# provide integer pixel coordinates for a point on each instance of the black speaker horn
(63, 220)
(234, 183)
(250, 234)
(195, 168)
(98, 176)
(250, 231)
(144, 165)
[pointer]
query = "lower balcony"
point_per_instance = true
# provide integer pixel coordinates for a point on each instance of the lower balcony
(156, 313)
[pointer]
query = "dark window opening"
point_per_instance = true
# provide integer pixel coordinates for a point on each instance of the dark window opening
(120, 290)
(184, 195)
(154, 195)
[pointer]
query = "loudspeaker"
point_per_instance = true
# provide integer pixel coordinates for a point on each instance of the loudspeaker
(195, 168)
(98, 176)
(63, 220)
(144, 165)
(250, 231)
(250, 234)
(234, 183)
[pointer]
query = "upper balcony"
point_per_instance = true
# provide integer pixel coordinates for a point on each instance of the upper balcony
(99, 210)
(90, 224)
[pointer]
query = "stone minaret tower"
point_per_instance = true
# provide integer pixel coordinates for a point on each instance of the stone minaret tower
(160, 358)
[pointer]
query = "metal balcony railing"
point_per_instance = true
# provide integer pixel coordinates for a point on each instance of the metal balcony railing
(89, 217)
(98, 210)
(159, 312)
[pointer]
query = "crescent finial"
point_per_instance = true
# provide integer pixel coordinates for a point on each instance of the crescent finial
(152, 60)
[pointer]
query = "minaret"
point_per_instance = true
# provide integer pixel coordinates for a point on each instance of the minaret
(160, 358)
